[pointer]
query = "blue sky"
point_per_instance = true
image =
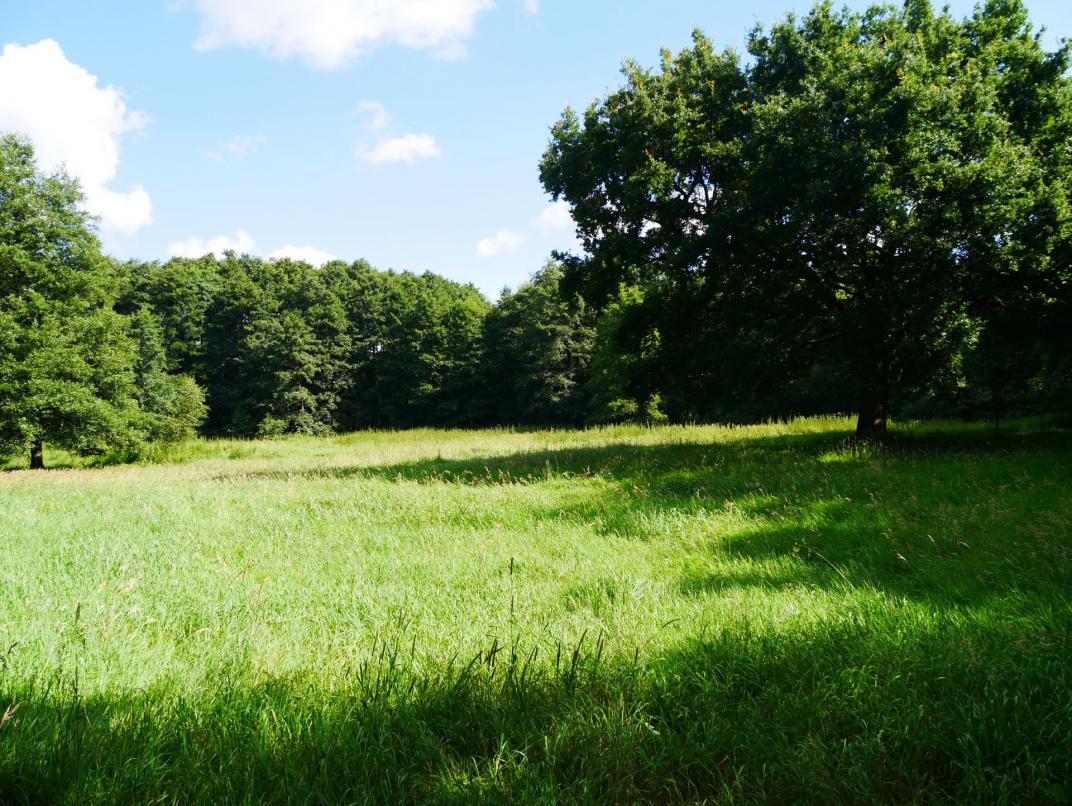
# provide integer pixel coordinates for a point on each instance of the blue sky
(406, 132)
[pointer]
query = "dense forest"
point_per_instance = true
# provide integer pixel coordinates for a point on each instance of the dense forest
(873, 213)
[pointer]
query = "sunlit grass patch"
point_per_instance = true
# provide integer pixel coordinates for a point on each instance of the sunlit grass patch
(618, 614)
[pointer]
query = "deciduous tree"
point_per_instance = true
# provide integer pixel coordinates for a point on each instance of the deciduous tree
(66, 361)
(861, 188)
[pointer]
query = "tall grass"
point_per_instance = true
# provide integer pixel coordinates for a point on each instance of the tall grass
(681, 613)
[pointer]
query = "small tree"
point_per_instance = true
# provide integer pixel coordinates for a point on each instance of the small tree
(68, 367)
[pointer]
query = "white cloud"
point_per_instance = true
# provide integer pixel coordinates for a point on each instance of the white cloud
(329, 33)
(379, 120)
(123, 213)
(308, 254)
(407, 148)
(382, 149)
(555, 217)
(241, 242)
(74, 123)
(237, 147)
(532, 7)
(503, 241)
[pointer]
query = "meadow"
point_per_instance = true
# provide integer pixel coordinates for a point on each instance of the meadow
(761, 613)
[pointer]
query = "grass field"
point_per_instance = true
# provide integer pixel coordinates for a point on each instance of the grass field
(745, 614)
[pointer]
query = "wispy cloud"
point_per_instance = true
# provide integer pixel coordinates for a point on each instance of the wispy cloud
(503, 241)
(555, 217)
(237, 147)
(378, 119)
(382, 149)
(407, 148)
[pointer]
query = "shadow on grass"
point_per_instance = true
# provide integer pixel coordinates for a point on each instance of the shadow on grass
(946, 703)
(853, 711)
(933, 517)
(628, 460)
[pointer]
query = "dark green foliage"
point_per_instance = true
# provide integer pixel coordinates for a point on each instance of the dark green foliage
(875, 209)
(539, 346)
(625, 380)
(283, 347)
(66, 378)
(70, 374)
(427, 358)
(179, 293)
(172, 406)
(851, 203)
(296, 346)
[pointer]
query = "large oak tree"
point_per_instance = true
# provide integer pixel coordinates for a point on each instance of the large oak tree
(857, 190)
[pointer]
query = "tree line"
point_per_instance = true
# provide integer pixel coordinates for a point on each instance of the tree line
(100, 356)
(873, 212)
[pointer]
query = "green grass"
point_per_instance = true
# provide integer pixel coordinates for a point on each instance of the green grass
(736, 614)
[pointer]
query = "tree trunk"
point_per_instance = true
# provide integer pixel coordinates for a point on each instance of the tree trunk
(37, 456)
(874, 404)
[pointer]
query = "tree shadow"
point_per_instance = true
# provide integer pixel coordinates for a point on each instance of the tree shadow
(627, 460)
(844, 711)
(932, 517)
(956, 702)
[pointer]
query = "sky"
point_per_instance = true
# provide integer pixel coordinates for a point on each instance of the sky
(404, 132)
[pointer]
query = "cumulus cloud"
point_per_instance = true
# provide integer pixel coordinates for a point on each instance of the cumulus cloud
(327, 34)
(307, 254)
(555, 217)
(237, 147)
(73, 123)
(532, 7)
(407, 148)
(501, 242)
(381, 149)
(241, 242)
